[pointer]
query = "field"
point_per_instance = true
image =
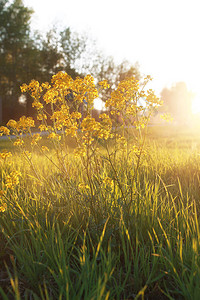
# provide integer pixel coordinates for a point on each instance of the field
(103, 207)
(120, 235)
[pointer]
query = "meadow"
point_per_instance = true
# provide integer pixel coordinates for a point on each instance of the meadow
(99, 213)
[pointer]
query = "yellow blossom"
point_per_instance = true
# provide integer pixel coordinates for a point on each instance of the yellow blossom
(12, 179)
(24, 88)
(5, 154)
(3, 207)
(18, 142)
(167, 117)
(54, 136)
(80, 151)
(24, 123)
(104, 84)
(4, 130)
(44, 148)
(41, 116)
(12, 124)
(37, 104)
(107, 180)
(83, 186)
(36, 138)
(43, 127)
(27, 154)
(46, 85)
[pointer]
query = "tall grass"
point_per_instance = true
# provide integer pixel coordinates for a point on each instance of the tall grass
(55, 245)
(116, 217)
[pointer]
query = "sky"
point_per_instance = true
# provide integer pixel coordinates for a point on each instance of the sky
(161, 35)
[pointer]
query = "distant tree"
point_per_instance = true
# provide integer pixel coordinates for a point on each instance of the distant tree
(73, 47)
(14, 41)
(105, 68)
(178, 101)
(24, 56)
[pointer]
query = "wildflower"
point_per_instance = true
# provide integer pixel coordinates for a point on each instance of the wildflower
(3, 207)
(89, 124)
(27, 154)
(37, 104)
(124, 95)
(4, 130)
(24, 88)
(108, 181)
(83, 186)
(104, 84)
(12, 179)
(43, 127)
(51, 96)
(5, 154)
(54, 136)
(36, 138)
(46, 85)
(45, 149)
(19, 142)
(167, 117)
(25, 123)
(41, 117)
(62, 81)
(12, 124)
(80, 151)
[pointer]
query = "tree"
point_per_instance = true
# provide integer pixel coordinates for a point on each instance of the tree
(105, 68)
(178, 102)
(14, 43)
(24, 57)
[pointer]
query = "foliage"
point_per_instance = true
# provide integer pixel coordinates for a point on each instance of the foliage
(24, 56)
(15, 45)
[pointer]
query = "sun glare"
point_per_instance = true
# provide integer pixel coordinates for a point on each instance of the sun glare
(196, 105)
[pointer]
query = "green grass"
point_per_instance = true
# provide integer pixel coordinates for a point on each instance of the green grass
(135, 240)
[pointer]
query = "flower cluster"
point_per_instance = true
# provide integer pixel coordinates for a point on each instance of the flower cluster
(24, 124)
(5, 154)
(3, 207)
(12, 179)
(64, 108)
(35, 138)
(124, 96)
(4, 130)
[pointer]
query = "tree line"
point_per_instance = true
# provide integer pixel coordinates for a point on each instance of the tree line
(27, 55)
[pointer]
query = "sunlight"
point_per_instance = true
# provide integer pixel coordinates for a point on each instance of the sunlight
(196, 105)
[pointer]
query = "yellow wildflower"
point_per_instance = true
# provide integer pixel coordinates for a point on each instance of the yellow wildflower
(41, 117)
(4, 130)
(24, 88)
(12, 124)
(36, 138)
(83, 186)
(3, 207)
(37, 104)
(43, 127)
(45, 149)
(104, 84)
(5, 154)
(18, 142)
(12, 179)
(46, 85)
(27, 154)
(54, 136)
(167, 117)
